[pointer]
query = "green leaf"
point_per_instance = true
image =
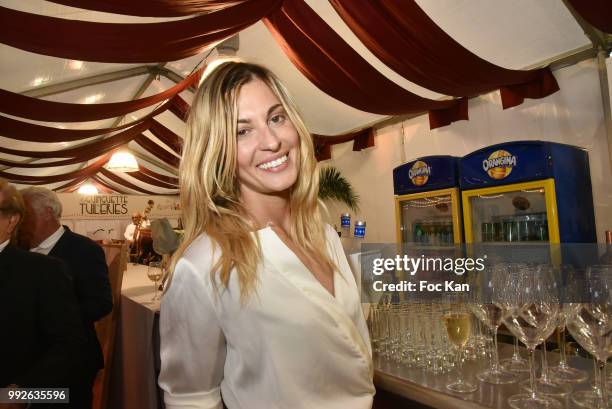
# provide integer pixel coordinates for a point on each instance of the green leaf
(332, 185)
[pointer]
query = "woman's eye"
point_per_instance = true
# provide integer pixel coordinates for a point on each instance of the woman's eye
(278, 119)
(242, 132)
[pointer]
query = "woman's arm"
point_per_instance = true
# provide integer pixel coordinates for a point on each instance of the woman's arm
(192, 342)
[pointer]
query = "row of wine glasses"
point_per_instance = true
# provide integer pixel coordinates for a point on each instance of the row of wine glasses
(532, 301)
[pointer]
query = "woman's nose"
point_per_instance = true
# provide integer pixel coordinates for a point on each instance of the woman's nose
(269, 139)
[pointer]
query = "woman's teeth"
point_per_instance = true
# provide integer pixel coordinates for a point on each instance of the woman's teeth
(274, 163)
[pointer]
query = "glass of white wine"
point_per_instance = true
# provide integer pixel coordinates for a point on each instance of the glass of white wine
(458, 323)
(155, 272)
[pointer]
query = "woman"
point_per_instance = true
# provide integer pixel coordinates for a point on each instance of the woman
(262, 307)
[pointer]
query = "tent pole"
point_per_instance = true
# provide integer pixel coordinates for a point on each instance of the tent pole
(605, 97)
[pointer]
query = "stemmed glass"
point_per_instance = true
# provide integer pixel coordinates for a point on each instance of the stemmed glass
(563, 372)
(590, 323)
(532, 309)
(490, 286)
(154, 272)
(545, 385)
(458, 324)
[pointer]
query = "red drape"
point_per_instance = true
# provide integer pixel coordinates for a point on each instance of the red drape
(335, 68)
(151, 181)
(85, 152)
(513, 95)
(26, 131)
(164, 178)
(34, 180)
(103, 183)
(42, 110)
(179, 107)
(442, 117)
(128, 43)
(598, 13)
(403, 36)
(117, 179)
(166, 136)
(157, 151)
(70, 185)
(151, 8)
(362, 139)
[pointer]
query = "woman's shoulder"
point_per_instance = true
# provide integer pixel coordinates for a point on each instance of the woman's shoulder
(200, 255)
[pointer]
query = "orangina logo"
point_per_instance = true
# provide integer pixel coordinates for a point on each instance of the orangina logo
(419, 173)
(499, 164)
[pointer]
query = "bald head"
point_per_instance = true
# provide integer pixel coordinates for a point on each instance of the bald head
(43, 213)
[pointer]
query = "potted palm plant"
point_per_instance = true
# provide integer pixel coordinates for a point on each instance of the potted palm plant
(332, 185)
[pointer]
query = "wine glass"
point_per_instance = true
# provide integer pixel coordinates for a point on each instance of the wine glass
(563, 372)
(545, 385)
(154, 272)
(590, 323)
(458, 324)
(532, 311)
(489, 289)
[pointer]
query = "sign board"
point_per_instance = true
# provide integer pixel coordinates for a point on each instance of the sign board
(117, 206)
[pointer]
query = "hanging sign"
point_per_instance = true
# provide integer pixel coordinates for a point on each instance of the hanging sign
(116, 206)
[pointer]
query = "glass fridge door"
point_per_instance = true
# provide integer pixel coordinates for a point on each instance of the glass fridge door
(426, 220)
(518, 214)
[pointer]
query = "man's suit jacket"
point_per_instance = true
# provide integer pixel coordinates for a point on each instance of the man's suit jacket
(43, 339)
(87, 266)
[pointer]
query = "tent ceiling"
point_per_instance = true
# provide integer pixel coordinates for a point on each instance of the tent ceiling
(517, 34)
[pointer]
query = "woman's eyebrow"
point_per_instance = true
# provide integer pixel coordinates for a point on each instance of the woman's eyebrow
(273, 107)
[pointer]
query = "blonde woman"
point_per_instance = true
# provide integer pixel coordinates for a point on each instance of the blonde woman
(262, 310)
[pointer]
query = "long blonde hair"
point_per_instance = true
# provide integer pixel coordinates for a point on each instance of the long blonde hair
(210, 193)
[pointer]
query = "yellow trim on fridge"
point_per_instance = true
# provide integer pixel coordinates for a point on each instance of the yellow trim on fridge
(453, 192)
(549, 196)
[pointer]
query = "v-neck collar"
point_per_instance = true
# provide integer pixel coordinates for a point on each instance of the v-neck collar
(286, 261)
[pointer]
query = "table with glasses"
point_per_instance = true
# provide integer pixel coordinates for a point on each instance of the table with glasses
(136, 357)
(443, 352)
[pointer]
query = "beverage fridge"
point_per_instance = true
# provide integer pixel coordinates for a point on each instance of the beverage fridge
(526, 192)
(427, 201)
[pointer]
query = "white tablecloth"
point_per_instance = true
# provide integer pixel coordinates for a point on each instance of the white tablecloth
(136, 356)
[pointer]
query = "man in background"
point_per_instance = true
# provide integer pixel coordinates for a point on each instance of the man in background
(44, 234)
(43, 339)
(131, 228)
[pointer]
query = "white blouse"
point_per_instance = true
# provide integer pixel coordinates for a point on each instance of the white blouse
(292, 345)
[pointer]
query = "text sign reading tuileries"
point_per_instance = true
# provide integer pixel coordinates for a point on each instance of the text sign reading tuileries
(104, 205)
(117, 206)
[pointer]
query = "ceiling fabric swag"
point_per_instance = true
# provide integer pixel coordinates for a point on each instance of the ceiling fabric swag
(402, 36)
(151, 8)
(157, 151)
(26, 131)
(335, 68)
(166, 136)
(164, 178)
(443, 117)
(128, 43)
(151, 181)
(362, 139)
(95, 148)
(513, 95)
(125, 183)
(598, 13)
(179, 107)
(34, 180)
(72, 184)
(114, 188)
(23, 106)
